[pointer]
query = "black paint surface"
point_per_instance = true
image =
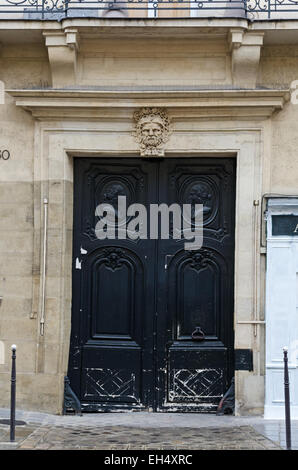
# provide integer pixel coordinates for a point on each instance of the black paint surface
(136, 303)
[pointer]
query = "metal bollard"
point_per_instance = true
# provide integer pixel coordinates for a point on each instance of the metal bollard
(287, 400)
(13, 394)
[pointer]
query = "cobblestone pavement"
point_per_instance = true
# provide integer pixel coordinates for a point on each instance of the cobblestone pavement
(128, 438)
(22, 432)
(137, 431)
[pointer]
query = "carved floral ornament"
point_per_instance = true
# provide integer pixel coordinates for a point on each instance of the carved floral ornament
(152, 131)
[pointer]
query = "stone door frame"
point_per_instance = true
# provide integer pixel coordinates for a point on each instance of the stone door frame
(225, 128)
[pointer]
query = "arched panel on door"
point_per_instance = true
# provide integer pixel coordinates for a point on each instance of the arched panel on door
(112, 327)
(197, 370)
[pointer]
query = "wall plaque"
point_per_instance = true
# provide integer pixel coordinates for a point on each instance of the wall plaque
(243, 359)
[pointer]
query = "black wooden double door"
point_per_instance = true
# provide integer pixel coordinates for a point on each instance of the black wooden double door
(137, 302)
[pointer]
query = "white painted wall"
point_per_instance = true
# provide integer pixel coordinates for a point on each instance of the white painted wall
(281, 312)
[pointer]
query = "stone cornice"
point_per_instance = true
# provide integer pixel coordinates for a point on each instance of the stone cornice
(85, 104)
(281, 31)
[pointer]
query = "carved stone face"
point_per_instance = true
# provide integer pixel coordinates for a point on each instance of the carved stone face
(151, 132)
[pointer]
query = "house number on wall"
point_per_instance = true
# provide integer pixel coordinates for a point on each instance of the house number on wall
(4, 154)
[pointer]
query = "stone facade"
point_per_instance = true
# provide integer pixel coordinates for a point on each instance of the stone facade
(72, 89)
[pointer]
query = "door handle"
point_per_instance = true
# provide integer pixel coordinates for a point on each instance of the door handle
(198, 334)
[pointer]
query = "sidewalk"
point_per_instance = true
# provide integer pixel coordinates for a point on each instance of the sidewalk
(133, 431)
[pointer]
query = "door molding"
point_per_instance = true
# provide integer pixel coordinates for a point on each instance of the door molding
(64, 130)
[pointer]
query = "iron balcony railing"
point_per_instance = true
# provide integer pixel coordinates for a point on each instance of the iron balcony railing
(60, 9)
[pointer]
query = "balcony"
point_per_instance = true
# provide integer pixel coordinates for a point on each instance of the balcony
(143, 9)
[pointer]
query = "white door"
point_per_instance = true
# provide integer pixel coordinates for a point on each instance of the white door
(281, 304)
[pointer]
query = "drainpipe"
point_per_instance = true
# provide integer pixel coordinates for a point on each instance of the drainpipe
(43, 288)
